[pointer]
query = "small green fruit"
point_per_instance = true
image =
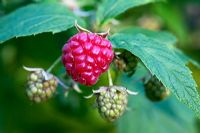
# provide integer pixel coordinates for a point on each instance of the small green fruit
(155, 90)
(112, 102)
(40, 85)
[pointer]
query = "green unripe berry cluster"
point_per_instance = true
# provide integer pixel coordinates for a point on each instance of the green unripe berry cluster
(112, 102)
(38, 88)
(155, 90)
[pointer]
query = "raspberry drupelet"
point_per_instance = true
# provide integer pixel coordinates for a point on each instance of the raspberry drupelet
(86, 56)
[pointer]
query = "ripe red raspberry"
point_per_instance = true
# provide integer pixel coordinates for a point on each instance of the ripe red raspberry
(86, 56)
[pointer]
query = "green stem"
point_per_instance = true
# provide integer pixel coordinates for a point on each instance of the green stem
(110, 78)
(54, 64)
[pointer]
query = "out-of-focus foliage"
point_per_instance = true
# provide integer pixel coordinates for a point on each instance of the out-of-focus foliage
(177, 24)
(74, 113)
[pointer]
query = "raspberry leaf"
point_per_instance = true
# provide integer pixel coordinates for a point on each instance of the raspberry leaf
(36, 18)
(163, 37)
(185, 58)
(111, 8)
(164, 63)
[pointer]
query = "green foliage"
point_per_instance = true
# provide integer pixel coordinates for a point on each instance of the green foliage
(176, 25)
(36, 18)
(111, 8)
(163, 37)
(164, 63)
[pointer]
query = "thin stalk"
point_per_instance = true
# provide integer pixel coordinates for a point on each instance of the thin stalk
(62, 84)
(54, 64)
(110, 78)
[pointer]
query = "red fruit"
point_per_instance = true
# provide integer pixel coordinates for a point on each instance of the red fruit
(86, 56)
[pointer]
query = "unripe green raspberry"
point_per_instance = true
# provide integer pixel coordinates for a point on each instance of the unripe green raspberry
(127, 62)
(40, 86)
(112, 102)
(155, 90)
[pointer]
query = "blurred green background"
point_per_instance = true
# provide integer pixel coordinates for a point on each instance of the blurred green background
(74, 114)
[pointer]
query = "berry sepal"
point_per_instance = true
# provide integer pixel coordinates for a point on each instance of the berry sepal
(81, 29)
